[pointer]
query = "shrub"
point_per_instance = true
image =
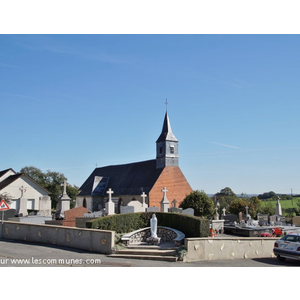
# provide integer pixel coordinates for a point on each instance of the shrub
(191, 226)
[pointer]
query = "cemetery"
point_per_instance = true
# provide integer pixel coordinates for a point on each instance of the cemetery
(139, 221)
(164, 233)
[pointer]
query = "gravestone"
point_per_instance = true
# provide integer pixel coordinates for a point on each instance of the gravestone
(164, 204)
(273, 219)
(137, 206)
(224, 212)
(175, 210)
(263, 220)
(22, 211)
(230, 219)
(240, 216)
(282, 220)
(216, 215)
(189, 211)
(110, 205)
(152, 209)
(296, 221)
(174, 203)
(45, 206)
(144, 205)
(126, 209)
(63, 203)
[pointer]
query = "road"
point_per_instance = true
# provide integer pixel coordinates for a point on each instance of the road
(21, 254)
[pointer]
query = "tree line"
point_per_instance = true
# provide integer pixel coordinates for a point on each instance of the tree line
(226, 198)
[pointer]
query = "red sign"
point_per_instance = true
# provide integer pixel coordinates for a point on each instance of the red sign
(3, 205)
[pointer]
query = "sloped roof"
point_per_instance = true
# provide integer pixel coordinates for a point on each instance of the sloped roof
(12, 178)
(127, 179)
(166, 133)
(5, 171)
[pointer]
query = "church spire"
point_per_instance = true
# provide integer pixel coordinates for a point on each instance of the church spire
(166, 146)
(166, 133)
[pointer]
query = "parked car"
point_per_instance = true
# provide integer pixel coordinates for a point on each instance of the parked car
(288, 247)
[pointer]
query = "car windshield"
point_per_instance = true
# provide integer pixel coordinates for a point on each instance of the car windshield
(291, 238)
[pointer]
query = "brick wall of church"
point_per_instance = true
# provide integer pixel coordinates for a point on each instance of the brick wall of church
(173, 179)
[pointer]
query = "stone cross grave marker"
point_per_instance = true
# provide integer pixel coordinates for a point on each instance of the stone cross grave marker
(110, 205)
(109, 192)
(224, 211)
(144, 197)
(164, 204)
(64, 185)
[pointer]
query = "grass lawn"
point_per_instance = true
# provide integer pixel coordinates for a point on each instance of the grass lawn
(284, 203)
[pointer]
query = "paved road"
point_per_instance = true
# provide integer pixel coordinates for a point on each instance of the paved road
(21, 254)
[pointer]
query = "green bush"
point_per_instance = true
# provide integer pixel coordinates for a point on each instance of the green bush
(191, 226)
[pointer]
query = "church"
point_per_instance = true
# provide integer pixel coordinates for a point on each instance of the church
(129, 181)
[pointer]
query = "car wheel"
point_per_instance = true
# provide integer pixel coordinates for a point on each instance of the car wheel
(280, 258)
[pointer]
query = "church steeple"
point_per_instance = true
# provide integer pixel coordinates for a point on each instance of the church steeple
(166, 146)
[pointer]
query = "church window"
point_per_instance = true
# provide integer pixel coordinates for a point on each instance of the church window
(172, 149)
(160, 150)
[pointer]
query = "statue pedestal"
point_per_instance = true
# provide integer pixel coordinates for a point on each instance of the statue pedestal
(22, 207)
(153, 240)
(110, 208)
(63, 205)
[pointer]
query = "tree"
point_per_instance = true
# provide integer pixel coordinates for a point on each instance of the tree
(51, 181)
(237, 205)
(6, 197)
(267, 209)
(224, 197)
(254, 205)
(200, 202)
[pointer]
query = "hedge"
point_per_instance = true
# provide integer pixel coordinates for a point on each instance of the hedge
(191, 226)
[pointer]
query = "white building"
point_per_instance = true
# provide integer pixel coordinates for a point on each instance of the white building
(26, 195)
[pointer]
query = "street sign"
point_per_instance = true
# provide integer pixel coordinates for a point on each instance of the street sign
(3, 205)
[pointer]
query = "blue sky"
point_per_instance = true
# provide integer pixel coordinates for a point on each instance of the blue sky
(69, 102)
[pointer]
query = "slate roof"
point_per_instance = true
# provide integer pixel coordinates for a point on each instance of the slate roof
(166, 133)
(126, 179)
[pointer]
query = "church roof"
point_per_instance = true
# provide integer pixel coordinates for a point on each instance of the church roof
(166, 133)
(127, 179)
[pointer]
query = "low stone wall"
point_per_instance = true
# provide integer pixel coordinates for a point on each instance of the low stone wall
(219, 248)
(94, 240)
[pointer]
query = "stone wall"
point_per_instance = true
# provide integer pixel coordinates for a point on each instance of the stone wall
(100, 241)
(199, 249)
(173, 179)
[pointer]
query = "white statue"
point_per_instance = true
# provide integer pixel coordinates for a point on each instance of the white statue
(153, 226)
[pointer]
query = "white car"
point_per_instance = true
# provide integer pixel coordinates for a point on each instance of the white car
(288, 247)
